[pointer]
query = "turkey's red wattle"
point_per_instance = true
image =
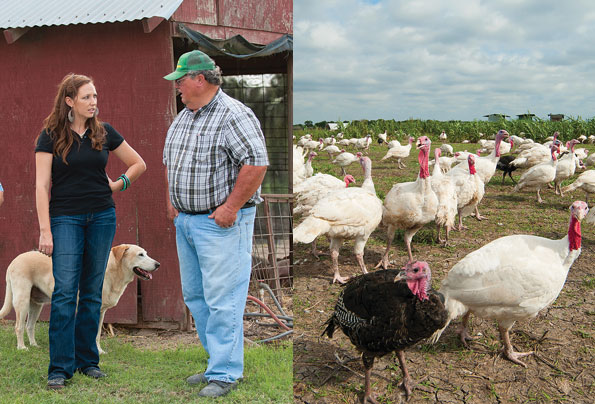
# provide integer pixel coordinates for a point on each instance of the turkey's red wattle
(418, 288)
(424, 169)
(574, 234)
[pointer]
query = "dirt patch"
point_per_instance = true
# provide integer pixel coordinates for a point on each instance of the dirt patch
(255, 329)
(562, 336)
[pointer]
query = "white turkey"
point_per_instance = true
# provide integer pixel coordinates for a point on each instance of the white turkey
(302, 140)
(400, 153)
(313, 189)
(308, 166)
(312, 145)
(447, 149)
(566, 167)
(393, 143)
(382, 138)
(530, 154)
(344, 142)
(344, 159)
(446, 163)
(364, 143)
(348, 214)
(581, 153)
(329, 140)
(511, 278)
(299, 167)
(590, 160)
(387, 311)
(443, 136)
(332, 150)
(410, 205)
(444, 189)
(489, 146)
(584, 182)
(469, 189)
(486, 166)
(540, 175)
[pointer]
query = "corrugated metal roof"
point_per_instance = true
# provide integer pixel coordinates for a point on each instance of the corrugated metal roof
(35, 13)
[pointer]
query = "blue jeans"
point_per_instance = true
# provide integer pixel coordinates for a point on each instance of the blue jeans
(82, 246)
(215, 265)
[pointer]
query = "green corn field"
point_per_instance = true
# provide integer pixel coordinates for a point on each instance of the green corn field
(458, 131)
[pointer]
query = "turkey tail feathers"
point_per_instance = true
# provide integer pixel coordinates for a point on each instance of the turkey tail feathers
(309, 229)
(330, 328)
(454, 309)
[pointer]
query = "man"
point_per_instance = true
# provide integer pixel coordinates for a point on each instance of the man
(215, 158)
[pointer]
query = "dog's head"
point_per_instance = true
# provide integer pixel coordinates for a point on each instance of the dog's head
(136, 259)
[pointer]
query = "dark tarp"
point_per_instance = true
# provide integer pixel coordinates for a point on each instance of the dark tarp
(237, 46)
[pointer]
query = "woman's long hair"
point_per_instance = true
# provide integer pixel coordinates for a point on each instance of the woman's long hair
(57, 125)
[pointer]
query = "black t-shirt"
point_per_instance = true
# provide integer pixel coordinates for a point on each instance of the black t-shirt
(81, 186)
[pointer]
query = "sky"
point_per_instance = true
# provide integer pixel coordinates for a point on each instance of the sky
(442, 60)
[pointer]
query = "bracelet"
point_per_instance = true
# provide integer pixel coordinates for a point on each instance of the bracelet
(125, 180)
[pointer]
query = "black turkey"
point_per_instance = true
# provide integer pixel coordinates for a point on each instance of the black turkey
(386, 311)
(505, 166)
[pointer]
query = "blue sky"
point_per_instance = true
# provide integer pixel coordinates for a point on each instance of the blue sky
(438, 59)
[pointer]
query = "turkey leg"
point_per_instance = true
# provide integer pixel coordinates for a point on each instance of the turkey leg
(407, 383)
(368, 364)
(509, 352)
(390, 232)
(337, 277)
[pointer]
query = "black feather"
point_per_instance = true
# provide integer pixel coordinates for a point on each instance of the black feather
(380, 315)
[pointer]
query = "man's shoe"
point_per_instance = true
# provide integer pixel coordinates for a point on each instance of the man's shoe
(56, 383)
(217, 388)
(198, 378)
(95, 373)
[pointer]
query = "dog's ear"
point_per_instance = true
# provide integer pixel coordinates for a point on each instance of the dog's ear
(120, 250)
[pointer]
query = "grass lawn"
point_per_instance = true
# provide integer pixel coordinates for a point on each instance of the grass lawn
(139, 375)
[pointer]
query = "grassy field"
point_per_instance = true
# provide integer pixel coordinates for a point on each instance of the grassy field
(563, 335)
(148, 373)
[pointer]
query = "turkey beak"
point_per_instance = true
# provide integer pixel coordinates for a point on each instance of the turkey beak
(401, 275)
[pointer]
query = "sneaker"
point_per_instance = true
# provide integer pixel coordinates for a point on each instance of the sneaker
(217, 388)
(56, 383)
(198, 378)
(95, 373)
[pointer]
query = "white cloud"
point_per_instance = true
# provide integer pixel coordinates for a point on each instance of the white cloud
(432, 59)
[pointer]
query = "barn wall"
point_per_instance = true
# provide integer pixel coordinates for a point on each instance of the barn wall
(127, 66)
(222, 19)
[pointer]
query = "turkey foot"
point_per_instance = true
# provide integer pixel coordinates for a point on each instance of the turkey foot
(407, 385)
(382, 263)
(514, 356)
(478, 216)
(318, 253)
(508, 352)
(464, 336)
(370, 398)
(341, 279)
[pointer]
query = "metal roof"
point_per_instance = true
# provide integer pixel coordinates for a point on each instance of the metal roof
(35, 13)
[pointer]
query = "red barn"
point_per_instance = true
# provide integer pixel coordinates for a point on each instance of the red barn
(127, 46)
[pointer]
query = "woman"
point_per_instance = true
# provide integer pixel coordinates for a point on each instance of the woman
(77, 224)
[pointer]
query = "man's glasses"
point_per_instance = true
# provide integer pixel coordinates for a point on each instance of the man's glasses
(181, 80)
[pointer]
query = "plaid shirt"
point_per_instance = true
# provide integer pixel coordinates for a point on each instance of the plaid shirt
(204, 152)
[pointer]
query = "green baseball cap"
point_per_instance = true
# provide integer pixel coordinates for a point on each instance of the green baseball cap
(191, 61)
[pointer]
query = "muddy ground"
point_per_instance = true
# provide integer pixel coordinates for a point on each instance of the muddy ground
(562, 336)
